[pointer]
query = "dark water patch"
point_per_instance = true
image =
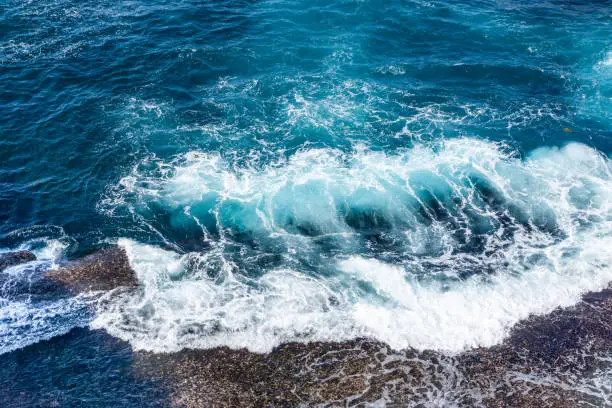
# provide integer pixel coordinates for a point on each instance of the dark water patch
(81, 368)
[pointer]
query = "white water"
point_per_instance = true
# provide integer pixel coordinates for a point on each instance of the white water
(25, 319)
(555, 245)
(183, 305)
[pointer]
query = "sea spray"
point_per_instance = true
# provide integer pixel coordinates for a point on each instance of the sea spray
(480, 239)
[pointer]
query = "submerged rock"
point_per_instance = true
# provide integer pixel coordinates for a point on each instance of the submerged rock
(15, 258)
(105, 269)
(557, 360)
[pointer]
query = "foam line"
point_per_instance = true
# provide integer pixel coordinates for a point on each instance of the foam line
(485, 239)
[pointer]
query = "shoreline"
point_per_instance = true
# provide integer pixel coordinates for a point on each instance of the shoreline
(560, 359)
(552, 360)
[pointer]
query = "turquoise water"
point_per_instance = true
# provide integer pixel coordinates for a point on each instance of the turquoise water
(306, 170)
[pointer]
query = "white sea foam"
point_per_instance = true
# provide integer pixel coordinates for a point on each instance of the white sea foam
(607, 61)
(25, 318)
(171, 314)
(23, 322)
(555, 245)
(474, 312)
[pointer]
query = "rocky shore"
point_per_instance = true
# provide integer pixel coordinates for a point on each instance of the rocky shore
(563, 359)
(559, 360)
(15, 258)
(106, 269)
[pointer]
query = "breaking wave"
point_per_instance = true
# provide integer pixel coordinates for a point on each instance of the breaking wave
(443, 246)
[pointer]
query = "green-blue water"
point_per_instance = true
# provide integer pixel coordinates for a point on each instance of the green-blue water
(306, 170)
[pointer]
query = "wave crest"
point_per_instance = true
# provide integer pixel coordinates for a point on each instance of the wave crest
(434, 247)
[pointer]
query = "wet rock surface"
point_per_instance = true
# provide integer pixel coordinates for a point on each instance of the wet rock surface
(15, 258)
(562, 359)
(105, 269)
(558, 360)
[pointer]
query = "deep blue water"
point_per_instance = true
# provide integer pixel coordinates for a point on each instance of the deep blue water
(285, 171)
(90, 88)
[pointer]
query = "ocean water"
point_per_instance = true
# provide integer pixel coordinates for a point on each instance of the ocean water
(423, 173)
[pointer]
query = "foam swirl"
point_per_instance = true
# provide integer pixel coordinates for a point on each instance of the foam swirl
(442, 247)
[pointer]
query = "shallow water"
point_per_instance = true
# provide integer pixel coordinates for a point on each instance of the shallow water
(425, 174)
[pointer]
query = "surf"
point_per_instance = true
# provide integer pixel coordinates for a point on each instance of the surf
(442, 246)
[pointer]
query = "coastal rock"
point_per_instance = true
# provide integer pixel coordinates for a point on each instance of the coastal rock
(554, 361)
(15, 258)
(105, 269)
